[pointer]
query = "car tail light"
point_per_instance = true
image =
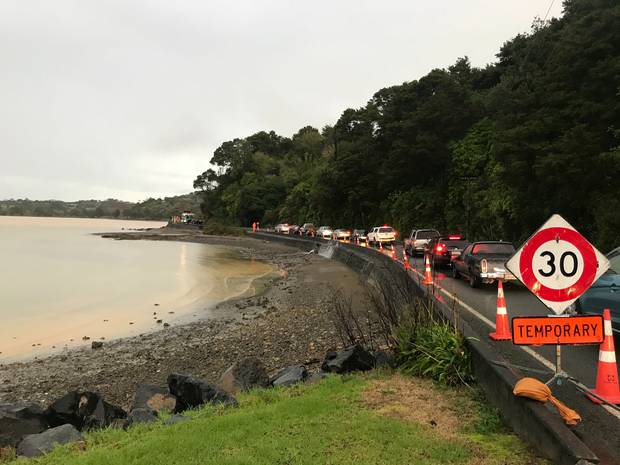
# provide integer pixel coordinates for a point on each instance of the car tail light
(440, 247)
(455, 237)
(484, 266)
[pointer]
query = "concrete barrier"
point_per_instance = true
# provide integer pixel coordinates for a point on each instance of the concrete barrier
(537, 425)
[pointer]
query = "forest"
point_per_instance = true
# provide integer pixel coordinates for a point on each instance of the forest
(491, 152)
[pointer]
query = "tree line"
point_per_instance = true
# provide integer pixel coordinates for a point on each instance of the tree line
(160, 209)
(490, 151)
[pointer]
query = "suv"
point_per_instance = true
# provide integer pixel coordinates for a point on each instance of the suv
(324, 232)
(381, 234)
(444, 249)
(418, 240)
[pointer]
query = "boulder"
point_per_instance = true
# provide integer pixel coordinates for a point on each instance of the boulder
(192, 392)
(178, 418)
(141, 415)
(243, 375)
(17, 420)
(354, 358)
(290, 375)
(96, 345)
(156, 398)
(84, 410)
(384, 358)
(36, 444)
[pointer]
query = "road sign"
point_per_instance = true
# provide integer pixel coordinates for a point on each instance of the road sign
(553, 330)
(557, 264)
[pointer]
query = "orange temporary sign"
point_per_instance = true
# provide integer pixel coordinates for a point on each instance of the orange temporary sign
(549, 330)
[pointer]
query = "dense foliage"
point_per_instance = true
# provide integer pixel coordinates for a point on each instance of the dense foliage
(491, 152)
(150, 209)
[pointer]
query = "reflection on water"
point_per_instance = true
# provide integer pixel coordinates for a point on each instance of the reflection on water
(59, 283)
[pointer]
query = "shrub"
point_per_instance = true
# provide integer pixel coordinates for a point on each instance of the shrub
(217, 228)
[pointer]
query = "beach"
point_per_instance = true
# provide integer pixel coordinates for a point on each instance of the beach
(287, 322)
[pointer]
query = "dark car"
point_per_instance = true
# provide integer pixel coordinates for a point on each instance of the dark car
(443, 249)
(484, 262)
(604, 293)
(359, 236)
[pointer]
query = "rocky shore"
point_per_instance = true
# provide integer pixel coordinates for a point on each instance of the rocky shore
(289, 323)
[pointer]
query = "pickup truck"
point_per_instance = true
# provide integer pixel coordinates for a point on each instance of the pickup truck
(381, 234)
(484, 262)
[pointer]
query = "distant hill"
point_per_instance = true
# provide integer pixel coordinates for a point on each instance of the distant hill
(150, 209)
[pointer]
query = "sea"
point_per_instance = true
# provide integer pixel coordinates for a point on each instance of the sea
(63, 286)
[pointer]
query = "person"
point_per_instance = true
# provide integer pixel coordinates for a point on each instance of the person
(257, 226)
(254, 227)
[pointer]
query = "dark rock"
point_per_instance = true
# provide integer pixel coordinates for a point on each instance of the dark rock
(96, 345)
(354, 358)
(83, 410)
(36, 444)
(141, 415)
(243, 375)
(17, 420)
(178, 418)
(156, 398)
(384, 358)
(192, 392)
(290, 375)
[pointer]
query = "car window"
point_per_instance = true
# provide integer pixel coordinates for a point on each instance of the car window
(614, 264)
(467, 250)
(493, 249)
(385, 230)
(427, 234)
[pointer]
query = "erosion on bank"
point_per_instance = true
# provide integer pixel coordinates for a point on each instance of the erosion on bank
(378, 418)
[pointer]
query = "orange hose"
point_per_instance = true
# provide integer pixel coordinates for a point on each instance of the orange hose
(534, 389)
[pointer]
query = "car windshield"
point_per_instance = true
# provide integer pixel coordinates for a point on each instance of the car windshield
(427, 234)
(361, 232)
(385, 230)
(493, 249)
(614, 264)
(453, 243)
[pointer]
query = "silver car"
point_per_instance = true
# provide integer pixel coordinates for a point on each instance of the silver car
(324, 232)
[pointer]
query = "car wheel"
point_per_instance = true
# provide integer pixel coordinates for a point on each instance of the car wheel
(474, 281)
(455, 272)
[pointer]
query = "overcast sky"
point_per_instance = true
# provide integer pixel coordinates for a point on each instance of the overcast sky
(129, 98)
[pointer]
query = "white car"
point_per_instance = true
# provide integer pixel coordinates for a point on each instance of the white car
(283, 228)
(324, 232)
(381, 234)
(419, 239)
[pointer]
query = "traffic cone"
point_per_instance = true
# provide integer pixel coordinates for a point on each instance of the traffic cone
(393, 253)
(381, 246)
(428, 277)
(502, 328)
(607, 371)
(405, 260)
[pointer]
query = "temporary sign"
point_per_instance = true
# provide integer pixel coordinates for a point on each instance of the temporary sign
(557, 264)
(552, 330)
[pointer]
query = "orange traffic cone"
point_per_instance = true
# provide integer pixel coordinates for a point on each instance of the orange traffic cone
(428, 277)
(393, 253)
(607, 371)
(405, 260)
(502, 328)
(381, 246)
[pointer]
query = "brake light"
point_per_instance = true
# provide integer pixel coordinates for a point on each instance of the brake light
(439, 247)
(484, 266)
(455, 237)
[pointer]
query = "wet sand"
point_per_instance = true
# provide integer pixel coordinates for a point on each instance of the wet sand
(288, 322)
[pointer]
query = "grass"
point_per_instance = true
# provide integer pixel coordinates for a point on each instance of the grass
(337, 421)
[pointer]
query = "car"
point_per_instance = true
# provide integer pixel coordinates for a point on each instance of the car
(359, 236)
(381, 235)
(307, 229)
(293, 229)
(282, 228)
(418, 239)
(484, 262)
(324, 232)
(444, 249)
(341, 235)
(604, 293)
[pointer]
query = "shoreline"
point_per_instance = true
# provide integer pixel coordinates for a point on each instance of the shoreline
(287, 322)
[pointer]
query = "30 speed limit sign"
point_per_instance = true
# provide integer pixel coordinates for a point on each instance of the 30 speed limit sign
(557, 264)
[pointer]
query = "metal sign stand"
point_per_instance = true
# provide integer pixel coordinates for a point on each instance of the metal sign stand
(560, 375)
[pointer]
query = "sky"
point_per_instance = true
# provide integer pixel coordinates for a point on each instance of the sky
(128, 99)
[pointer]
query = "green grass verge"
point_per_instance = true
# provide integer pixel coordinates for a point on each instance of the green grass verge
(324, 423)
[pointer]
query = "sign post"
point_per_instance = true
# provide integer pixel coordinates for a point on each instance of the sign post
(557, 264)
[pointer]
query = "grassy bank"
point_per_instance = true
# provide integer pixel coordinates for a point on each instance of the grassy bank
(381, 418)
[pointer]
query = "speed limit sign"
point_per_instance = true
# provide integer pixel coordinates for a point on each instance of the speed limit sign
(557, 264)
